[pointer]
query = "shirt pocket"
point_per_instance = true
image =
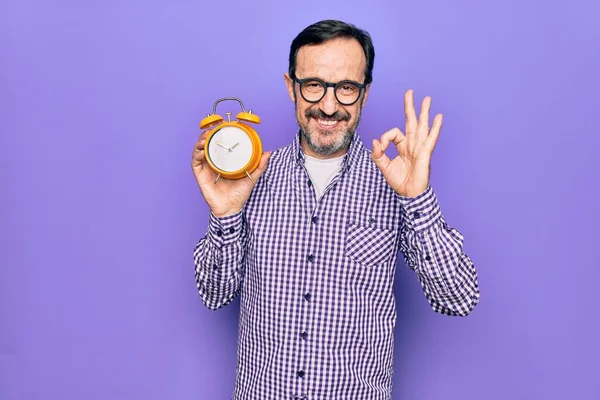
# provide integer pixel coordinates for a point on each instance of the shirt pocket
(371, 240)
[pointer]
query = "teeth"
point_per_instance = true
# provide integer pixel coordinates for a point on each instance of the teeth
(327, 122)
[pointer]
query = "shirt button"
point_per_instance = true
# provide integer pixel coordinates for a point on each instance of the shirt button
(300, 373)
(231, 230)
(215, 267)
(310, 258)
(417, 214)
(315, 220)
(309, 183)
(304, 335)
(219, 233)
(427, 257)
(307, 296)
(371, 220)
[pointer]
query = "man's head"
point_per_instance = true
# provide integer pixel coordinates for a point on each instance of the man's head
(332, 52)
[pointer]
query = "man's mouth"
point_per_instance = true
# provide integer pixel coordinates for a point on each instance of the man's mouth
(327, 123)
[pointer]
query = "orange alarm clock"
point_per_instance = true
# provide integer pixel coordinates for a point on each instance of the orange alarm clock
(233, 148)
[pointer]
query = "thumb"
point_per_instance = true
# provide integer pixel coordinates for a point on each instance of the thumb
(378, 155)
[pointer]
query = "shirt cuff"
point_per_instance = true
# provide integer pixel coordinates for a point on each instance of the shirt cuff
(420, 212)
(225, 230)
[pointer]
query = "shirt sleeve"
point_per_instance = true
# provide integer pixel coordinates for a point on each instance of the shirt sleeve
(435, 252)
(218, 260)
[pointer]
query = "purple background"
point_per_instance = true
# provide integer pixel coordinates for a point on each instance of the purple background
(100, 104)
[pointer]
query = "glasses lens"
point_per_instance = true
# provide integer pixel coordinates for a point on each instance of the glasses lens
(312, 90)
(347, 92)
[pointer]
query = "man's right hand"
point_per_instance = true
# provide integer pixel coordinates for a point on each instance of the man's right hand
(227, 196)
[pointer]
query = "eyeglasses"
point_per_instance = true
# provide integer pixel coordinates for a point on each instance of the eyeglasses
(346, 92)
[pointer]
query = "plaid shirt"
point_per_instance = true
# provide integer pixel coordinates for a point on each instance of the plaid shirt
(315, 277)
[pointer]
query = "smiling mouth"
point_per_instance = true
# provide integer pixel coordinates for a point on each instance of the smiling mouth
(327, 123)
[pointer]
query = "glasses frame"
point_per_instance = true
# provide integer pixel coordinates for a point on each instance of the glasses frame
(327, 85)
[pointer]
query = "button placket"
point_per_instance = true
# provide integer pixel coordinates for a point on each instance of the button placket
(304, 325)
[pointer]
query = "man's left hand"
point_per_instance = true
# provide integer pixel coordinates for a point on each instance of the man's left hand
(408, 173)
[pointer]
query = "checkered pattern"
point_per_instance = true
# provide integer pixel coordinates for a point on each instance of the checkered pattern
(315, 278)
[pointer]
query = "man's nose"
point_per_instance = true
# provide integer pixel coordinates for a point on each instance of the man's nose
(328, 103)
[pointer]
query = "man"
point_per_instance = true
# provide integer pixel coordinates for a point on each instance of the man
(310, 243)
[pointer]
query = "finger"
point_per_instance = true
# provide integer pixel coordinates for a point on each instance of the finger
(377, 149)
(434, 134)
(393, 135)
(423, 128)
(198, 148)
(378, 155)
(204, 134)
(199, 144)
(262, 166)
(197, 167)
(198, 158)
(409, 112)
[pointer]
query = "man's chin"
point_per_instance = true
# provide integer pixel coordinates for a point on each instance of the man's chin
(326, 147)
(324, 139)
(325, 142)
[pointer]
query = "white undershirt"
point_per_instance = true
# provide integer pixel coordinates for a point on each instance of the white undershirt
(321, 171)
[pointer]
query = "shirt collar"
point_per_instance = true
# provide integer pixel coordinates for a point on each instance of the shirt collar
(350, 158)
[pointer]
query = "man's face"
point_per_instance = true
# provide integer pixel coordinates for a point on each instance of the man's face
(328, 126)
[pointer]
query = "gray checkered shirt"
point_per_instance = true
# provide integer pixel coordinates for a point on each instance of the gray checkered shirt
(315, 277)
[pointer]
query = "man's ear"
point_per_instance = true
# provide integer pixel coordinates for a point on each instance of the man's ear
(366, 95)
(289, 83)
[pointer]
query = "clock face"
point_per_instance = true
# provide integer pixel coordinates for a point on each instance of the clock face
(230, 149)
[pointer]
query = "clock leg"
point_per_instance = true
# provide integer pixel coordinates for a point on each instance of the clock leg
(249, 177)
(218, 176)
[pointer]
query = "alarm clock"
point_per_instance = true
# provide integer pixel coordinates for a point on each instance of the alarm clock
(232, 148)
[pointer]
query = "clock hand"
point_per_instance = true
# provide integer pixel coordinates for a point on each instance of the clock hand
(226, 148)
(233, 147)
